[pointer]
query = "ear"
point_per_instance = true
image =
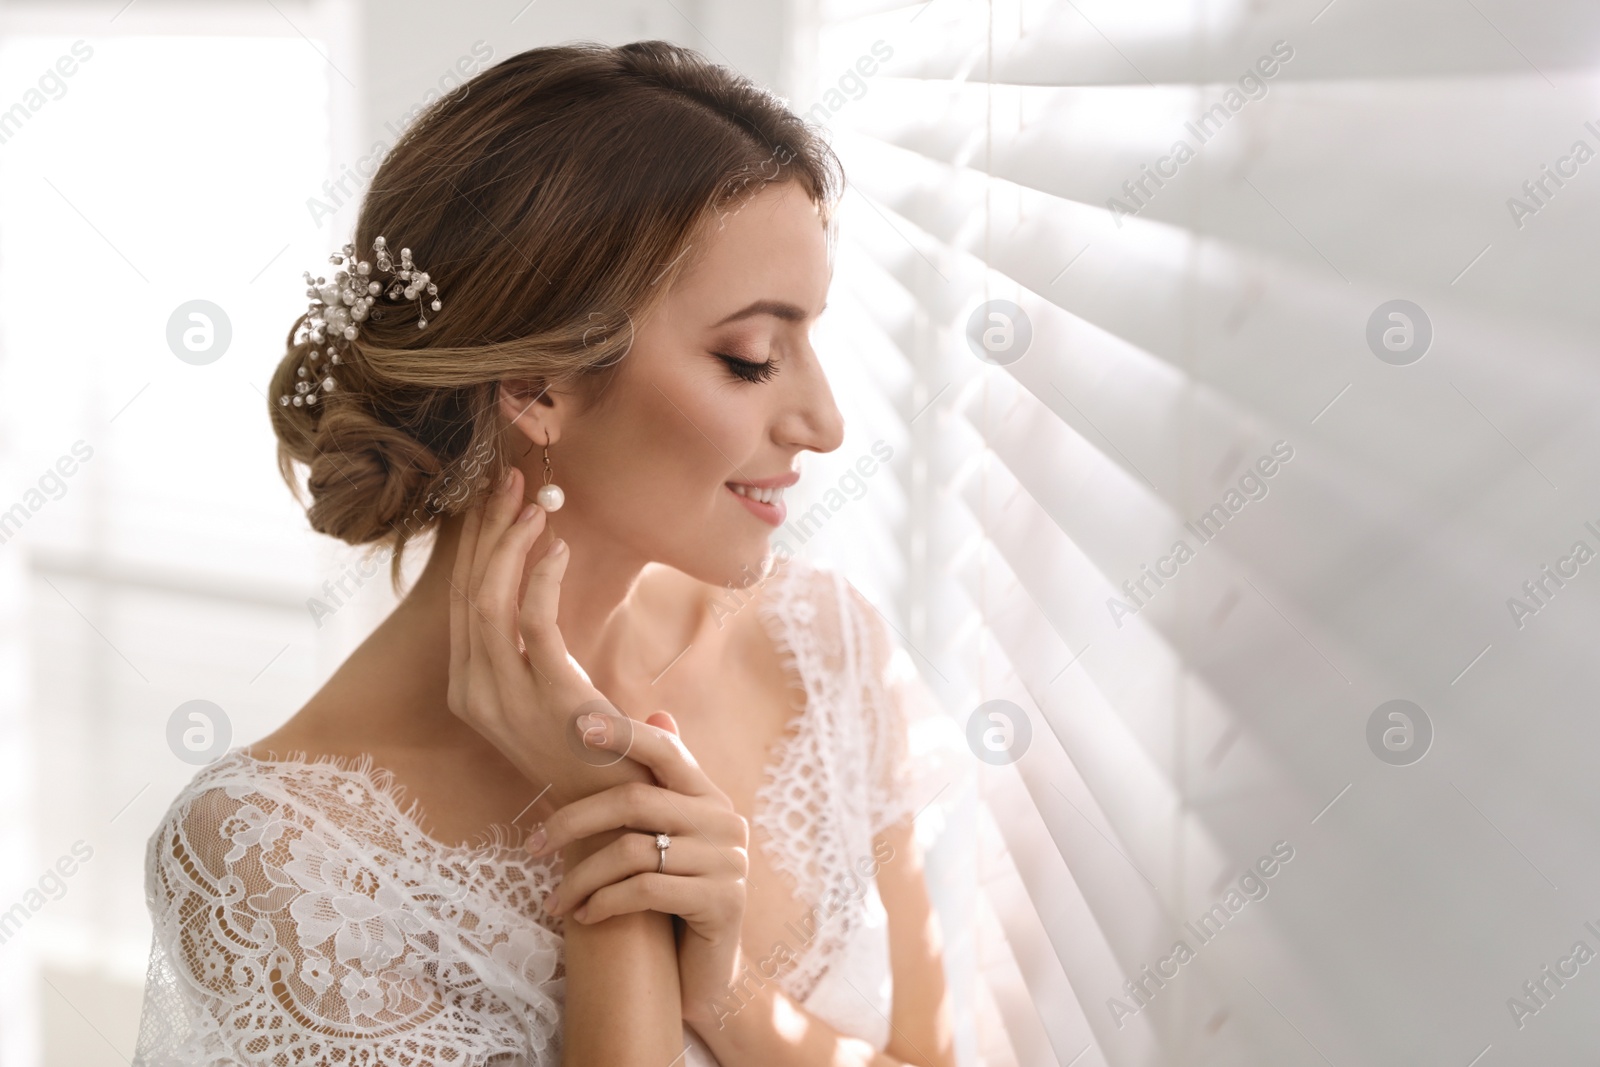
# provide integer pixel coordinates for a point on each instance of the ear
(532, 408)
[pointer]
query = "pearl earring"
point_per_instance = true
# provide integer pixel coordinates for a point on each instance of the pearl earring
(550, 497)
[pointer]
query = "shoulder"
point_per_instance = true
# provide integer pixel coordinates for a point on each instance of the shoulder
(238, 778)
(278, 903)
(818, 583)
(816, 594)
(256, 835)
(238, 805)
(193, 848)
(217, 790)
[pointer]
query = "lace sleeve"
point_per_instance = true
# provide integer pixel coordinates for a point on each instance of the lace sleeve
(911, 757)
(283, 937)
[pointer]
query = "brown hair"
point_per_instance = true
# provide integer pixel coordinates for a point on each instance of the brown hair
(553, 198)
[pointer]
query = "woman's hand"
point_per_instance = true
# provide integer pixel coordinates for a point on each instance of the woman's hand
(511, 677)
(706, 863)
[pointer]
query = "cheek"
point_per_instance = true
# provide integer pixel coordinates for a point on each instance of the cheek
(675, 441)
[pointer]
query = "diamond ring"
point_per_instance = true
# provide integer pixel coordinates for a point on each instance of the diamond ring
(663, 842)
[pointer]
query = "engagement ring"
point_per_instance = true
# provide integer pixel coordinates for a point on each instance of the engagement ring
(663, 842)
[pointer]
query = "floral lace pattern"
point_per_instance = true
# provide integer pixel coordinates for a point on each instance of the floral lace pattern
(841, 774)
(302, 917)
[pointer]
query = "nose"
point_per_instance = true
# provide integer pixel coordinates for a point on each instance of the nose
(810, 420)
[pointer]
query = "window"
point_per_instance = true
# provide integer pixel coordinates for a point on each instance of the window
(1191, 364)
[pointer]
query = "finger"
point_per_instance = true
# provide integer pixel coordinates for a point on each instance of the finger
(541, 601)
(628, 855)
(663, 751)
(666, 893)
(499, 511)
(493, 641)
(497, 596)
(632, 806)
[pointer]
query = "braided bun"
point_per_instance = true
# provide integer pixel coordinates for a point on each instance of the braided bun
(365, 474)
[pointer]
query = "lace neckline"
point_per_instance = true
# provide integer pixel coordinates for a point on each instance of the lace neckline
(780, 610)
(496, 840)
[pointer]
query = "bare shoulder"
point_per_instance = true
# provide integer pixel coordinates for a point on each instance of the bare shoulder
(380, 696)
(823, 584)
(311, 731)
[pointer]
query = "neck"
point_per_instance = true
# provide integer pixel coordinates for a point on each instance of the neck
(596, 617)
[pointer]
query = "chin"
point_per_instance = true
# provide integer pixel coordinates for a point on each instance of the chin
(737, 562)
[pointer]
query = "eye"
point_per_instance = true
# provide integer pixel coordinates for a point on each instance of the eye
(748, 370)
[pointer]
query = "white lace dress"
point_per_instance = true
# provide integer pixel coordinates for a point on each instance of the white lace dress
(303, 918)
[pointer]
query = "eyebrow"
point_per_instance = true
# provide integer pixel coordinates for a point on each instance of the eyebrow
(778, 308)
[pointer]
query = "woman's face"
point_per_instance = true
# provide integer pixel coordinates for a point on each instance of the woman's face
(721, 389)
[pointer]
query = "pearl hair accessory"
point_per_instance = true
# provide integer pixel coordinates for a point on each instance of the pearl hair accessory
(337, 307)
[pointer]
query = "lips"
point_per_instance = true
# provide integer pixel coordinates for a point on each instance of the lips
(776, 481)
(763, 497)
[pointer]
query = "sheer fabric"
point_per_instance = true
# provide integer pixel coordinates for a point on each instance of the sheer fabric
(302, 916)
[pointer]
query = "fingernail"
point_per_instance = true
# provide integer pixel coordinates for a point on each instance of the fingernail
(528, 511)
(582, 913)
(505, 481)
(536, 840)
(595, 726)
(552, 903)
(559, 547)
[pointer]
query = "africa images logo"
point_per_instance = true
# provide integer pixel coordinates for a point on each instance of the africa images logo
(1252, 85)
(1253, 485)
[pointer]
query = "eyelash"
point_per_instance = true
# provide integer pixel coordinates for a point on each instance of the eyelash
(748, 370)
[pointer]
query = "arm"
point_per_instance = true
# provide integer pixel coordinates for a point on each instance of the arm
(513, 680)
(622, 992)
(705, 885)
(922, 1029)
(775, 1031)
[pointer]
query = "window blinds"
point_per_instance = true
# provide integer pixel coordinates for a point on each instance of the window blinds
(1202, 210)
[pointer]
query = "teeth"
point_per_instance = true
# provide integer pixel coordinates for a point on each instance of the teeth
(766, 496)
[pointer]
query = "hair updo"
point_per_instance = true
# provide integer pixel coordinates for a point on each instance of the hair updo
(552, 198)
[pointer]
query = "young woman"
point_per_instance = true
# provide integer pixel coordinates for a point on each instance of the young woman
(616, 255)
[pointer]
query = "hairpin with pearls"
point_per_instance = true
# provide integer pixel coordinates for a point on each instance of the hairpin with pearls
(337, 307)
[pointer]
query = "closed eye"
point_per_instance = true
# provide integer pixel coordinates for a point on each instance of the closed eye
(747, 370)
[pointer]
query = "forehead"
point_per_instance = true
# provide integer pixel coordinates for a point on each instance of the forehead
(768, 243)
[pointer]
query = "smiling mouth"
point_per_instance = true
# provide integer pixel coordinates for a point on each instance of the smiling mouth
(764, 496)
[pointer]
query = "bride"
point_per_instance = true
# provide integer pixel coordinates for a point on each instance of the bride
(616, 782)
